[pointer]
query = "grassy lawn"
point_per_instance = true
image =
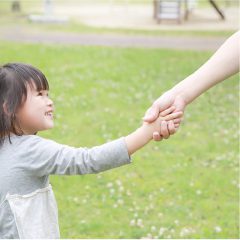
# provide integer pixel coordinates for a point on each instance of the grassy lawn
(185, 187)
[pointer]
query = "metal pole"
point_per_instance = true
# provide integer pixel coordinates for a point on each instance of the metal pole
(48, 7)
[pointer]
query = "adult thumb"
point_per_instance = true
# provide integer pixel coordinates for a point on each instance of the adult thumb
(151, 114)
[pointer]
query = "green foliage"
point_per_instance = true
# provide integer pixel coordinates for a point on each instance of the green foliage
(185, 187)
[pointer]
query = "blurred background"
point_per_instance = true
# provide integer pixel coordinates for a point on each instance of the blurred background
(106, 62)
(148, 15)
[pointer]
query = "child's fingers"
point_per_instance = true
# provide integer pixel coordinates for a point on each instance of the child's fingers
(164, 130)
(171, 127)
(173, 116)
(176, 126)
(177, 120)
(156, 136)
(167, 111)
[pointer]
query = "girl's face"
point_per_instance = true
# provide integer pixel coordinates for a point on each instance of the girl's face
(36, 114)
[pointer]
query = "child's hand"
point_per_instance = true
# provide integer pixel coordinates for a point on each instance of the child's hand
(144, 134)
(161, 123)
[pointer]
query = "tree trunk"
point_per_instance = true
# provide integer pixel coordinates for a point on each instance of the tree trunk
(16, 7)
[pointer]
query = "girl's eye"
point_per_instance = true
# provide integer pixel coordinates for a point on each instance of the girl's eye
(42, 94)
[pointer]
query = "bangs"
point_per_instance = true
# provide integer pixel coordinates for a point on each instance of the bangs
(27, 74)
(38, 81)
(34, 77)
(21, 75)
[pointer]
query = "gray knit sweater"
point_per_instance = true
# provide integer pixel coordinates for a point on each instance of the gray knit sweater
(27, 204)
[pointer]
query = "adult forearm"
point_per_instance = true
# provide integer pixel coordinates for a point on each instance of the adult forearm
(223, 64)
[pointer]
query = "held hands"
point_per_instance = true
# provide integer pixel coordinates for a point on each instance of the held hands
(163, 125)
(144, 134)
(165, 106)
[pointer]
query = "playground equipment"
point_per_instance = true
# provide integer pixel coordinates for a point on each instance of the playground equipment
(179, 10)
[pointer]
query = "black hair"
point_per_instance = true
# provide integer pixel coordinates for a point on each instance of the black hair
(14, 79)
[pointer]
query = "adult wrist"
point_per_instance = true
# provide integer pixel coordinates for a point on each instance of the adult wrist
(179, 92)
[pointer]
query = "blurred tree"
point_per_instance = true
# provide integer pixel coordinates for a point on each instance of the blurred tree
(16, 7)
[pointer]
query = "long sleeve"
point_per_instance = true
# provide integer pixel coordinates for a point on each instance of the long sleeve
(45, 157)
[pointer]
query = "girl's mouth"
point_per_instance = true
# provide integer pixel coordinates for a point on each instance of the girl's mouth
(49, 114)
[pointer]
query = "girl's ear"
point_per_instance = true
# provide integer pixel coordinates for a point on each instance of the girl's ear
(5, 110)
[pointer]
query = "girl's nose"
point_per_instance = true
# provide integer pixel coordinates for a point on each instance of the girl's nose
(50, 102)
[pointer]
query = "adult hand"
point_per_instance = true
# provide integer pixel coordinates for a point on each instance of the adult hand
(168, 103)
(225, 60)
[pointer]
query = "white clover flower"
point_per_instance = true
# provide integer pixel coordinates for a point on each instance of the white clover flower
(180, 197)
(140, 223)
(129, 193)
(234, 182)
(132, 222)
(186, 231)
(150, 197)
(118, 182)
(153, 228)
(160, 214)
(176, 222)
(161, 231)
(109, 185)
(162, 190)
(198, 192)
(218, 229)
(112, 190)
(120, 201)
(151, 206)
(149, 235)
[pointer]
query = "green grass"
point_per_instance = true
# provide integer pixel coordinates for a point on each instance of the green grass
(187, 184)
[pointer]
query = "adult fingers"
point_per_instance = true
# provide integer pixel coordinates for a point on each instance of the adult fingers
(167, 111)
(152, 113)
(173, 116)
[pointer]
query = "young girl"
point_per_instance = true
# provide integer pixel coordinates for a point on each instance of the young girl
(27, 205)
